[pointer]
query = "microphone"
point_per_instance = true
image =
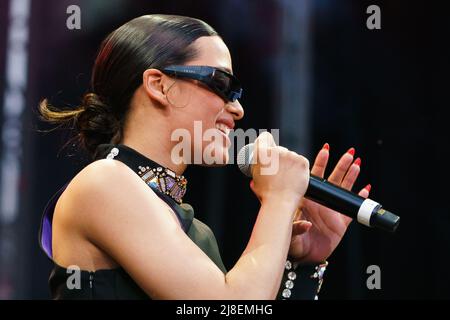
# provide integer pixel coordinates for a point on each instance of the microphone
(365, 211)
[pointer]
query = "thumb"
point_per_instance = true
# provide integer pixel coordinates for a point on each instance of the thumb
(265, 139)
(262, 154)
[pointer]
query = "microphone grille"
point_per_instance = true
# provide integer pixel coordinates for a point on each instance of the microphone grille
(244, 159)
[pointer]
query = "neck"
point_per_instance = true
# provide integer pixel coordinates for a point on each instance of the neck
(152, 139)
(155, 151)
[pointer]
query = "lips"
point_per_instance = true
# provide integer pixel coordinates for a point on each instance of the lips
(223, 128)
(225, 125)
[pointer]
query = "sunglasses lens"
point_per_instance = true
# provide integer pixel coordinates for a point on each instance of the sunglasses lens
(222, 82)
(227, 85)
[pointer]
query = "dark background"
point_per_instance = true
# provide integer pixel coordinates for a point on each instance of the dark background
(380, 91)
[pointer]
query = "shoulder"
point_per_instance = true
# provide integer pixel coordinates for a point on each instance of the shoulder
(105, 178)
(107, 191)
(100, 181)
(103, 171)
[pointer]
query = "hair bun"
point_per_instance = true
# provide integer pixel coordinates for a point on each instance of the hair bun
(97, 123)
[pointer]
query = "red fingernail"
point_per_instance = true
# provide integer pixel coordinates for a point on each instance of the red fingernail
(326, 146)
(351, 151)
(358, 162)
(368, 187)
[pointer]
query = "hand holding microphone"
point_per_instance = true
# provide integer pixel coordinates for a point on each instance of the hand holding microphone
(324, 208)
(366, 211)
(274, 180)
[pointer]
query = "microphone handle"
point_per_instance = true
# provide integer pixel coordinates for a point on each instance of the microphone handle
(366, 211)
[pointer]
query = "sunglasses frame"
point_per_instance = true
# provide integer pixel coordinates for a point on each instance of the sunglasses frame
(206, 74)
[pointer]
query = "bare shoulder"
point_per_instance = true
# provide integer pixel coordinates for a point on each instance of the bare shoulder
(103, 172)
(105, 179)
(97, 183)
(107, 189)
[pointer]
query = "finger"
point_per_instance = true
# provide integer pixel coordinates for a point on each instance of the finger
(300, 227)
(342, 167)
(365, 191)
(320, 164)
(262, 153)
(352, 175)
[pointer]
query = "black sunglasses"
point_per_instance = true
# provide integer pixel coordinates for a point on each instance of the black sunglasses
(222, 83)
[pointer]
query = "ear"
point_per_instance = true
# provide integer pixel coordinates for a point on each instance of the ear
(155, 85)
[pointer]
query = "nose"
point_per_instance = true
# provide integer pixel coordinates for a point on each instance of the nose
(236, 109)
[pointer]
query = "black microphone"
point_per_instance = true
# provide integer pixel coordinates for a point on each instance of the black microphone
(365, 211)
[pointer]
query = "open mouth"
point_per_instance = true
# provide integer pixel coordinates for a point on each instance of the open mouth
(223, 128)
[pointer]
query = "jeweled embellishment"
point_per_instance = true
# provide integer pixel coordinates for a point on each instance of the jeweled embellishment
(286, 293)
(288, 265)
(165, 180)
(292, 275)
(289, 284)
(170, 183)
(113, 153)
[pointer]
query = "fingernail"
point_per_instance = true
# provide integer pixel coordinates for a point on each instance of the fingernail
(326, 146)
(251, 183)
(351, 151)
(358, 162)
(368, 187)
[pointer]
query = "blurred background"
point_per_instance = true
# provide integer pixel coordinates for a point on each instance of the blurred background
(311, 68)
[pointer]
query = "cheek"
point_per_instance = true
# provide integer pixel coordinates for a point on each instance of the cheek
(206, 140)
(206, 110)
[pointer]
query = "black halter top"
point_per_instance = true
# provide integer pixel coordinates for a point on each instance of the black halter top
(116, 283)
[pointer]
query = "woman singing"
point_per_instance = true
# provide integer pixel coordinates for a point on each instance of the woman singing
(121, 221)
